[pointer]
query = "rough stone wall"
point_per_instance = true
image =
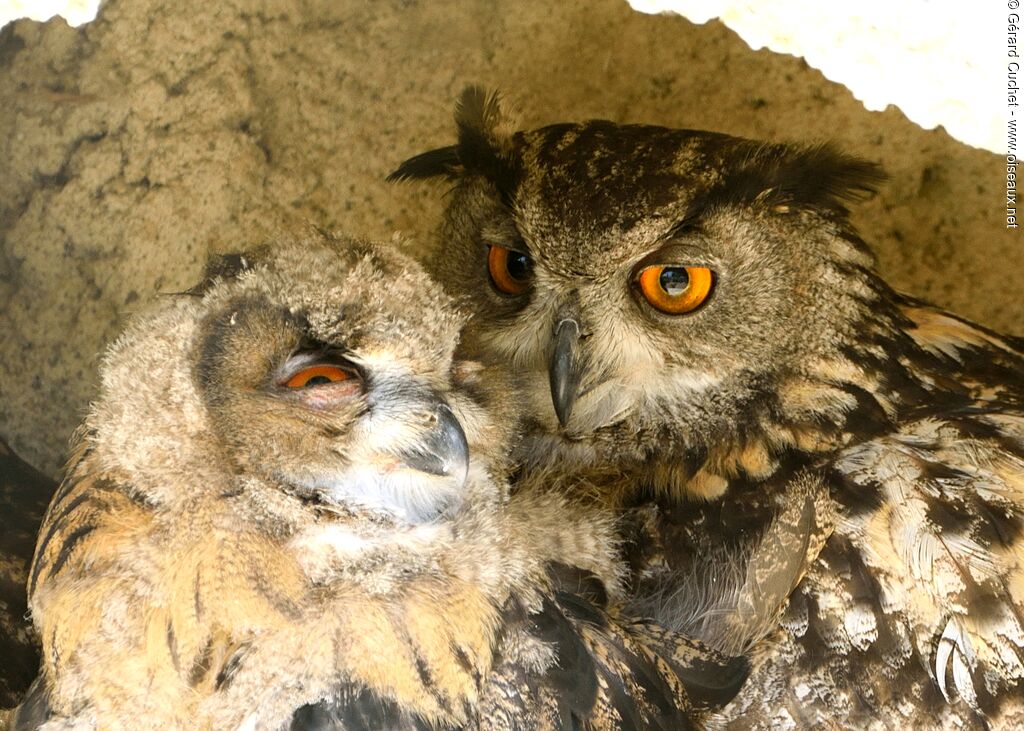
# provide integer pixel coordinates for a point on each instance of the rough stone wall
(134, 144)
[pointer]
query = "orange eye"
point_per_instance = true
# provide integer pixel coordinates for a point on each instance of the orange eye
(317, 375)
(676, 290)
(510, 270)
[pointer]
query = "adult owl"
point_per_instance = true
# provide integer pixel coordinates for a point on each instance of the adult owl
(694, 315)
(288, 508)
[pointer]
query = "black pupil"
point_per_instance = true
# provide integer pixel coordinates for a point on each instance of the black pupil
(318, 381)
(674, 280)
(518, 266)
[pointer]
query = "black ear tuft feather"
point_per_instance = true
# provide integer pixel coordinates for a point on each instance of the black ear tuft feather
(443, 161)
(482, 148)
(823, 176)
(477, 116)
(478, 110)
(811, 177)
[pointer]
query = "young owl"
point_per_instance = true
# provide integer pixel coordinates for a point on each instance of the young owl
(694, 314)
(288, 509)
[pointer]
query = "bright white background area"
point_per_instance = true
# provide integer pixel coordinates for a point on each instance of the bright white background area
(939, 61)
(75, 12)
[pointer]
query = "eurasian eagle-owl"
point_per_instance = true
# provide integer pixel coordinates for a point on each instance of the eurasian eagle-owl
(694, 315)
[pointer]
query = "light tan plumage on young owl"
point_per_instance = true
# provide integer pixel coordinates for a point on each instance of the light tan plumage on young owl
(287, 509)
(694, 314)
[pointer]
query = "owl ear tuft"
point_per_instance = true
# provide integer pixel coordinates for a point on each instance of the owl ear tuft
(824, 176)
(485, 138)
(482, 125)
(821, 176)
(818, 177)
(443, 161)
(484, 146)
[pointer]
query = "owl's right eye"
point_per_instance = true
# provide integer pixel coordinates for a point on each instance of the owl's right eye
(317, 375)
(510, 270)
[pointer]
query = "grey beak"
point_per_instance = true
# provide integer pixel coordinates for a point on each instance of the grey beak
(565, 369)
(443, 451)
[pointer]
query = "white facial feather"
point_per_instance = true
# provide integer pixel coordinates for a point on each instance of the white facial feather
(408, 495)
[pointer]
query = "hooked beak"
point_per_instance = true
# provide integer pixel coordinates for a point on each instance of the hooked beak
(443, 451)
(566, 368)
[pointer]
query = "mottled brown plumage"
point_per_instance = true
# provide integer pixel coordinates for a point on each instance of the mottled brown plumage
(799, 358)
(247, 538)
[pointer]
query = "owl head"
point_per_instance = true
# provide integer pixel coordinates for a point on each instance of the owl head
(655, 288)
(323, 366)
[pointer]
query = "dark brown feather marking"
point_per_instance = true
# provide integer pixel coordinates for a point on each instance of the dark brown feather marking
(172, 647)
(231, 667)
(73, 539)
(201, 664)
(54, 526)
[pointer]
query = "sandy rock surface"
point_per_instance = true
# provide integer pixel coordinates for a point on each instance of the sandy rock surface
(134, 144)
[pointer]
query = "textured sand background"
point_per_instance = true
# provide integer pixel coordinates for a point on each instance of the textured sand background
(134, 144)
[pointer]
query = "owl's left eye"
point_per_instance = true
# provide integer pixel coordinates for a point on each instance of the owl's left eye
(675, 290)
(317, 375)
(510, 270)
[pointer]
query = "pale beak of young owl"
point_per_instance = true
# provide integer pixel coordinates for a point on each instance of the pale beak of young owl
(443, 451)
